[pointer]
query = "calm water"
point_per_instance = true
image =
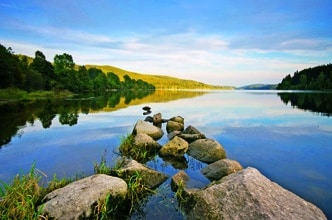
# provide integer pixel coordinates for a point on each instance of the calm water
(287, 136)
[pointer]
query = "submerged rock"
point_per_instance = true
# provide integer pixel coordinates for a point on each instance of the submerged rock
(151, 178)
(248, 194)
(77, 200)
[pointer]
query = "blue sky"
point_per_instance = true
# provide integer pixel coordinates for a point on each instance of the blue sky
(220, 42)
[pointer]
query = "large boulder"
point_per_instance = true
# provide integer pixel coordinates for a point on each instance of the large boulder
(176, 147)
(151, 178)
(221, 168)
(149, 129)
(248, 194)
(77, 200)
(206, 150)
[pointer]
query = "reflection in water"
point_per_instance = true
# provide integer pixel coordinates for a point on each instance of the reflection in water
(14, 116)
(315, 102)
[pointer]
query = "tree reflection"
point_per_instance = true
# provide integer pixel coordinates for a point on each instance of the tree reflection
(314, 102)
(13, 116)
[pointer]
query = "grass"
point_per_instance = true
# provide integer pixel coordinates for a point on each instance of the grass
(141, 154)
(21, 199)
(15, 94)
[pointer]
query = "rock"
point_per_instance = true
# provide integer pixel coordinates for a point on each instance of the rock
(151, 178)
(191, 130)
(176, 147)
(146, 108)
(157, 120)
(177, 162)
(179, 179)
(178, 119)
(149, 119)
(206, 150)
(248, 194)
(174, 126)
(191, 134)
(221, 168)
(77, 199)
(146, 142)
(149, 129)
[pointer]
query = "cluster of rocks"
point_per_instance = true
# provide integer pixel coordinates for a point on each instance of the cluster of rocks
(234, 193)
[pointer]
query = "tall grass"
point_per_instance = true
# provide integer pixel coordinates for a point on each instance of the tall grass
(19, 199)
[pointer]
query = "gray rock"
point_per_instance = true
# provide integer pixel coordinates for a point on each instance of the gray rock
(149, 129)
(248, 194)
(176, 147)
(145, 141)
(151, 178)
(221, 168)
(191, 134)
(191, 130)
(77, 200)
(174, 126)
(206, 150)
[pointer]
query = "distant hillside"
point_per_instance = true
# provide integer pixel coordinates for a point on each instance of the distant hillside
(315, 78)
(159, 81)
(258, 87)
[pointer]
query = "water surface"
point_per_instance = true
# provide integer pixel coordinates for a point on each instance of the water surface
(286, 136)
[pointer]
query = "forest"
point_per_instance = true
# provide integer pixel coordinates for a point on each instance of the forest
(34, 74)
(315, 78)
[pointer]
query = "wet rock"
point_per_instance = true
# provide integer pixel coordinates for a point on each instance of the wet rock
(149, 129)
(221, 168)
(157, 120)
(77, 200)
(176, 162)
(248, 194)
(176, 147)
(206, 150)
(151, 178)
(174, 126)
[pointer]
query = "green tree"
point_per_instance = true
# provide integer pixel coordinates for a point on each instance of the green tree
(45, 68)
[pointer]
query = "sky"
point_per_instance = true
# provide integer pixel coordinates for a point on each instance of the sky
(219, 42)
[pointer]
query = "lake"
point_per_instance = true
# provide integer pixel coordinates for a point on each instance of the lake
(286, 135)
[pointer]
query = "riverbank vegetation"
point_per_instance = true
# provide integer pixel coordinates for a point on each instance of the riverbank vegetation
(315, 78)
(22, 198)
(38, 74)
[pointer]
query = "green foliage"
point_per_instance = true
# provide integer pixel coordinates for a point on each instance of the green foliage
(316, 78)
(38, 74)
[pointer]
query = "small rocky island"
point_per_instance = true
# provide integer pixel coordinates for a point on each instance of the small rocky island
(234, 192)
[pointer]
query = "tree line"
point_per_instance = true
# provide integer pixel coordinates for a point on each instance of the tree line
(315, 78)
(39, 74)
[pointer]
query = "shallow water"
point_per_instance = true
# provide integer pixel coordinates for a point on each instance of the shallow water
(286, 136)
